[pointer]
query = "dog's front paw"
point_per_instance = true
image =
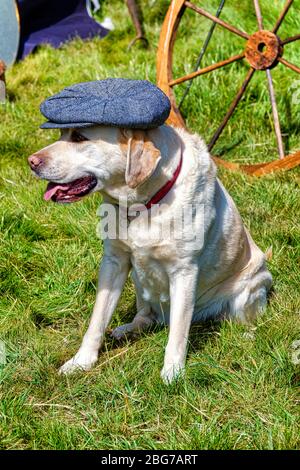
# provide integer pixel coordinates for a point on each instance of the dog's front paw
(171, 372)
(83, 360)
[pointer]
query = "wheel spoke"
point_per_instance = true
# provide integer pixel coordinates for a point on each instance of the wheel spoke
(282, 15)
(231, 109)
(203, 50)
(291, 39)
(289, 65)
(225, 25)
(205, 70)
(258, 14)
(275, 114)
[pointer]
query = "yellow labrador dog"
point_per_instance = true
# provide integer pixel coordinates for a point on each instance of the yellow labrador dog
(208, 268)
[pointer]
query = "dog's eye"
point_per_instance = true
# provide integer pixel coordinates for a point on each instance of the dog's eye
(77, 137)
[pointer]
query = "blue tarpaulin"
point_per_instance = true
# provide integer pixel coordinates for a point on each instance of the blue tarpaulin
(54, 22)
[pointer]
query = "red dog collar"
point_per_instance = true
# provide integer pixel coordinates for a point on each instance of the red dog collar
(162, 192)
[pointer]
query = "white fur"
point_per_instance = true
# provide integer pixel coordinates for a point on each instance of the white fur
(176, 282)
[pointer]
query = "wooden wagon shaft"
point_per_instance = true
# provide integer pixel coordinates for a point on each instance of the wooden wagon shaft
(261, 169)
(286, 163)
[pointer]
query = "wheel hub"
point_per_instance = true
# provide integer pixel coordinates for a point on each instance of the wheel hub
(263, 49)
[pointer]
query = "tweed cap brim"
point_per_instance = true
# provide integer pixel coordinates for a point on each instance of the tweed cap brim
(67, 125)
(117, 102)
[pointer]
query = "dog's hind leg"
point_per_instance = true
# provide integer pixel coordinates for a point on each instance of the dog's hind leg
(250, 303)
(142, 321)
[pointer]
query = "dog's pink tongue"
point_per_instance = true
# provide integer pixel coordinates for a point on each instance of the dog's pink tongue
(52, 188)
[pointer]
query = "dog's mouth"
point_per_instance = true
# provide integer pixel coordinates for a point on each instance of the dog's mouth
(70, 192)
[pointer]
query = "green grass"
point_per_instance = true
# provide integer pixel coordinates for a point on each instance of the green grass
(241, 389)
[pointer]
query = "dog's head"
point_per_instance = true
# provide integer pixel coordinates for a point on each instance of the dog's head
(94, 158)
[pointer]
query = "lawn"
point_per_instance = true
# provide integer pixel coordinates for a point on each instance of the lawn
(241, 388)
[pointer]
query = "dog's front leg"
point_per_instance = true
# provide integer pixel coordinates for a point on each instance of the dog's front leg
(112, 276)
(183, 288)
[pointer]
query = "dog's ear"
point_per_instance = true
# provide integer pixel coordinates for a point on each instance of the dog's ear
(142, 157)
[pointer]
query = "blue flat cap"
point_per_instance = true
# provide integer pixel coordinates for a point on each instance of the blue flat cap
(120, 102)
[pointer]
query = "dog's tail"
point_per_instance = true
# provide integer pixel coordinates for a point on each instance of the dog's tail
(269, 253)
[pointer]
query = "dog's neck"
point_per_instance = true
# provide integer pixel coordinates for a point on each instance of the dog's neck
(167, 140)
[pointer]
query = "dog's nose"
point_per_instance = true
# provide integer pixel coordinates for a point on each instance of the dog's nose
(34, 161)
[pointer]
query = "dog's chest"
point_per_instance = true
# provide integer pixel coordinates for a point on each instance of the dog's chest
(151, 255)
(149, 263)
(151, 277)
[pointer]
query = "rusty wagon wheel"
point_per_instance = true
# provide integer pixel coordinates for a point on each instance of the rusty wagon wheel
(263, 51)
